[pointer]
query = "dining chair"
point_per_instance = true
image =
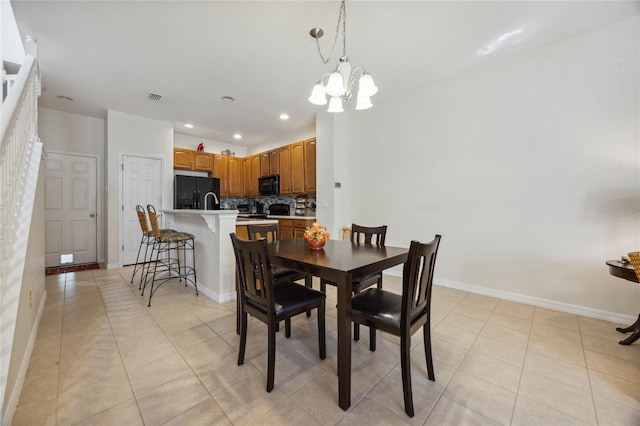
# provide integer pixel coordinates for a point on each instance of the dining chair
(271, 232)
(402, 315)
(363, 235)
(270, 303)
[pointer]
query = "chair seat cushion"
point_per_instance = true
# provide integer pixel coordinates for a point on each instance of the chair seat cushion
(377, 305)
(291, 297)
(280, 273)
(173, 237)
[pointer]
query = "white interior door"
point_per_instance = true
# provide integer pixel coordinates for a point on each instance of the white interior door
(141, 184)
(70, 209)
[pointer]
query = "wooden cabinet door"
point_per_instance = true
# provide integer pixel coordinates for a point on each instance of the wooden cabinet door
(255, 173)
(264, 164)
(203, 161)
(182, 158)
(246, 182)
(274, 162)
(285, 169)
(310, 166)
(297, 168)
(220, 167)
(286, 229)
(235, 177)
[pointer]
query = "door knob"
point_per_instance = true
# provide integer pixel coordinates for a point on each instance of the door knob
(92, 215)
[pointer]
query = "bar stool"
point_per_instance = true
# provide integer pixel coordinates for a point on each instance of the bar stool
(146, 241)
(167, 249)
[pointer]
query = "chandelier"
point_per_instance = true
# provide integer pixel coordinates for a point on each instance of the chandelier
(339, 84)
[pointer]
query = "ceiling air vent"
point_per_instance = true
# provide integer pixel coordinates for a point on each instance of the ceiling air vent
(154, 97)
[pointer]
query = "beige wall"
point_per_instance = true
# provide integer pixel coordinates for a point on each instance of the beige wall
(529, 168)
(32, 293)
(132, 135)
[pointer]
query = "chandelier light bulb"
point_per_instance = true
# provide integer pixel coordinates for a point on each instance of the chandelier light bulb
(364, 102)
(335, 85)
(318, 95)
(335, 104)
(366, 86)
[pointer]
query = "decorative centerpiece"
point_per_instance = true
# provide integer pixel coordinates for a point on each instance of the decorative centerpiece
(317, 235)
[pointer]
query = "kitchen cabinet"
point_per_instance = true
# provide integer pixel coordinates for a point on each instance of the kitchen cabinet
(203, 161)
(182, 158)
(297, 168)
(269, 163)
(220, 167)
(293, 228)
(235, 176)
(285, 170)
(310, 166)
(274, 162)
(251, 175)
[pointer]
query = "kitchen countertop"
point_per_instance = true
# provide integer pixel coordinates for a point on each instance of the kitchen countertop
(292, 217)
(253, 221)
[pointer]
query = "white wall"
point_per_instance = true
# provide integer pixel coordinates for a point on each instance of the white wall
(63, 131)
(191, 142)
(132, 135)
(529, 168)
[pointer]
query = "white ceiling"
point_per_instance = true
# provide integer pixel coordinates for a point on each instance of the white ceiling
(111, 55)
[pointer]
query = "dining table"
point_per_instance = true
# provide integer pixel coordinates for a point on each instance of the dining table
(339, 262)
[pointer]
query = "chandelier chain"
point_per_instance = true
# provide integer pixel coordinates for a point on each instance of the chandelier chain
(342, 19)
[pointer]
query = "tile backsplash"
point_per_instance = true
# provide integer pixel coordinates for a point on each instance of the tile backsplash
(231, 203)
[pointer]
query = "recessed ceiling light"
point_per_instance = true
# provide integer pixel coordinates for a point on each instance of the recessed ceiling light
(228, 98)
(237, 136)
(284, 116)
(66, 98)
(188, 125)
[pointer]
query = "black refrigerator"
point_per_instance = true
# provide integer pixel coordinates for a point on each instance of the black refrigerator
(189, 192)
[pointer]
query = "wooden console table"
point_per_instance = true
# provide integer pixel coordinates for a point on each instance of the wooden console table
(626, 271)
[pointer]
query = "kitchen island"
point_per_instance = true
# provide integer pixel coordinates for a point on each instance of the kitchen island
(214, 259)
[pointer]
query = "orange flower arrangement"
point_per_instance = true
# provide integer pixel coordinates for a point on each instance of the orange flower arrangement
(316, 235)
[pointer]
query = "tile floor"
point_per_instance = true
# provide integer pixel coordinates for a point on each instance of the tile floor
(103, 358)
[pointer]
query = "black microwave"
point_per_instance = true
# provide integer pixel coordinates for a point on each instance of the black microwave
(269, 185)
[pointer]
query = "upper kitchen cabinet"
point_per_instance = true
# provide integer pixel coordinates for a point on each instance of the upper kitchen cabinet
(203, 161)
(251, 175)
(182, 158)
(269, 163)
(297, 168)
(235, 175)
(310, 166)
(284, 155)
(220, 167)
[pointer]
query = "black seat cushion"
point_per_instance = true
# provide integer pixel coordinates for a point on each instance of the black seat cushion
(280, 273)
(378, 305)
(291, 297)
(365, 282)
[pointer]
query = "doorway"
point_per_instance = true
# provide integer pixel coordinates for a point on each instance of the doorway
(71, 209)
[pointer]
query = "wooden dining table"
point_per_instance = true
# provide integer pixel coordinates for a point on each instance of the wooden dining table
(339, 262)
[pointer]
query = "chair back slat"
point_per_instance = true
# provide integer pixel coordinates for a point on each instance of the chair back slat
(153, 219)
(368, 234)
(271, 232)
(142, 218)
(254, 272)
(417, 280)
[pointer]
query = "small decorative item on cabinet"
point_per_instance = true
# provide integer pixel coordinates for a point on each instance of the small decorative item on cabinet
(200, 147)
(316, 235)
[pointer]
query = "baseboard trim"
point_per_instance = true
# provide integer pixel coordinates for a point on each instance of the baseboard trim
(24, 366)
(215, 296)
(531, 300)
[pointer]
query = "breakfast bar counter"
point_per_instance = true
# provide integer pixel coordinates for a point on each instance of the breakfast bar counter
(214, 259)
